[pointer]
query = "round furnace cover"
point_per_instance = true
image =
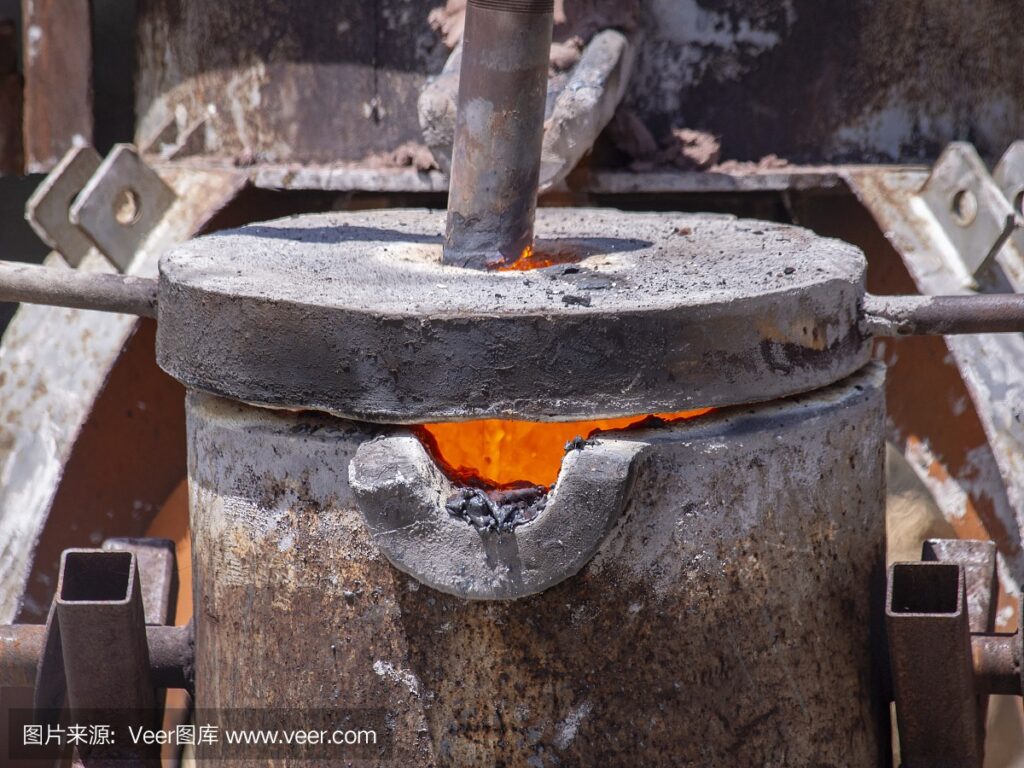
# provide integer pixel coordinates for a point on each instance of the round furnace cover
(354, 314)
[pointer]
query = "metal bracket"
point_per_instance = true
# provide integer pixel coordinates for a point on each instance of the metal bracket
(122, 203)
(48, 208)
(978, 559)
(972, 212)
(158, 568)
(106, 652)
(174, 141)
(111, 205)
(1009, 176)
(937, 706)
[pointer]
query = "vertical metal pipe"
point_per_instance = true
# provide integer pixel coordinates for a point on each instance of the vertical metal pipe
(937, 706)
(106, 655)
(158, 571)
(499, 130)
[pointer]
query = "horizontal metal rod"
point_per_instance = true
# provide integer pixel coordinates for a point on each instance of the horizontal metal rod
(884, 315)
(170, 655)
(944, 315)
(20, 648)
(78, 290)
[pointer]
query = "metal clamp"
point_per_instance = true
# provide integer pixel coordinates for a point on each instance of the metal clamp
(973, 214)
(123, 201)
(1009, 176)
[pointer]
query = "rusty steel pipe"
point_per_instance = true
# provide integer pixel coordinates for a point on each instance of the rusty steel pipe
(944, 315)
(170, 655)
(20, 648)
(937, 707)
(499, 131)
(106, 652)
(78, 290)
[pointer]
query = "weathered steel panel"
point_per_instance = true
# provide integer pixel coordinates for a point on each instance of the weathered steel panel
(58, 79)
(267, 80)
(810, 82)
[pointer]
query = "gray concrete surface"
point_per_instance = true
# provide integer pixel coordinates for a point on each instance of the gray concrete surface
(354, 314)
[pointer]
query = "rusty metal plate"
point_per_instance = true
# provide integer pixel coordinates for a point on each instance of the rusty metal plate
(355, 314)
(122, 203)
(48, 209)
(970, 209)
(58, 65)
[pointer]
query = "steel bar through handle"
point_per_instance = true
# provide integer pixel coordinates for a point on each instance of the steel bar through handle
(883, 315)
(944, 315)
(60, 287)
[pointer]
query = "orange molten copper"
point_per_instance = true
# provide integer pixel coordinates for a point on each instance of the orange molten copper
(494, 453)
(531, 259)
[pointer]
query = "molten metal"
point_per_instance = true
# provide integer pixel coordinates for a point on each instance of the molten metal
(493, 453)
(530, 258)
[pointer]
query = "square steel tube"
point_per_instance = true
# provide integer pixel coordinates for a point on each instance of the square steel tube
(106, 655)
(937, 706)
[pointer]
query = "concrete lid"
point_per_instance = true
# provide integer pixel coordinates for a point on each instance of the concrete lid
(354, 314)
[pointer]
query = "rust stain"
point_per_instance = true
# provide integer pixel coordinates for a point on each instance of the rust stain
(806, 333)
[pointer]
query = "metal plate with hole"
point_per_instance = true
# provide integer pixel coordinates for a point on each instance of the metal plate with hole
(355, 314)
(48, 210)
(971, 210)
(121, 204)
(1009, 175)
